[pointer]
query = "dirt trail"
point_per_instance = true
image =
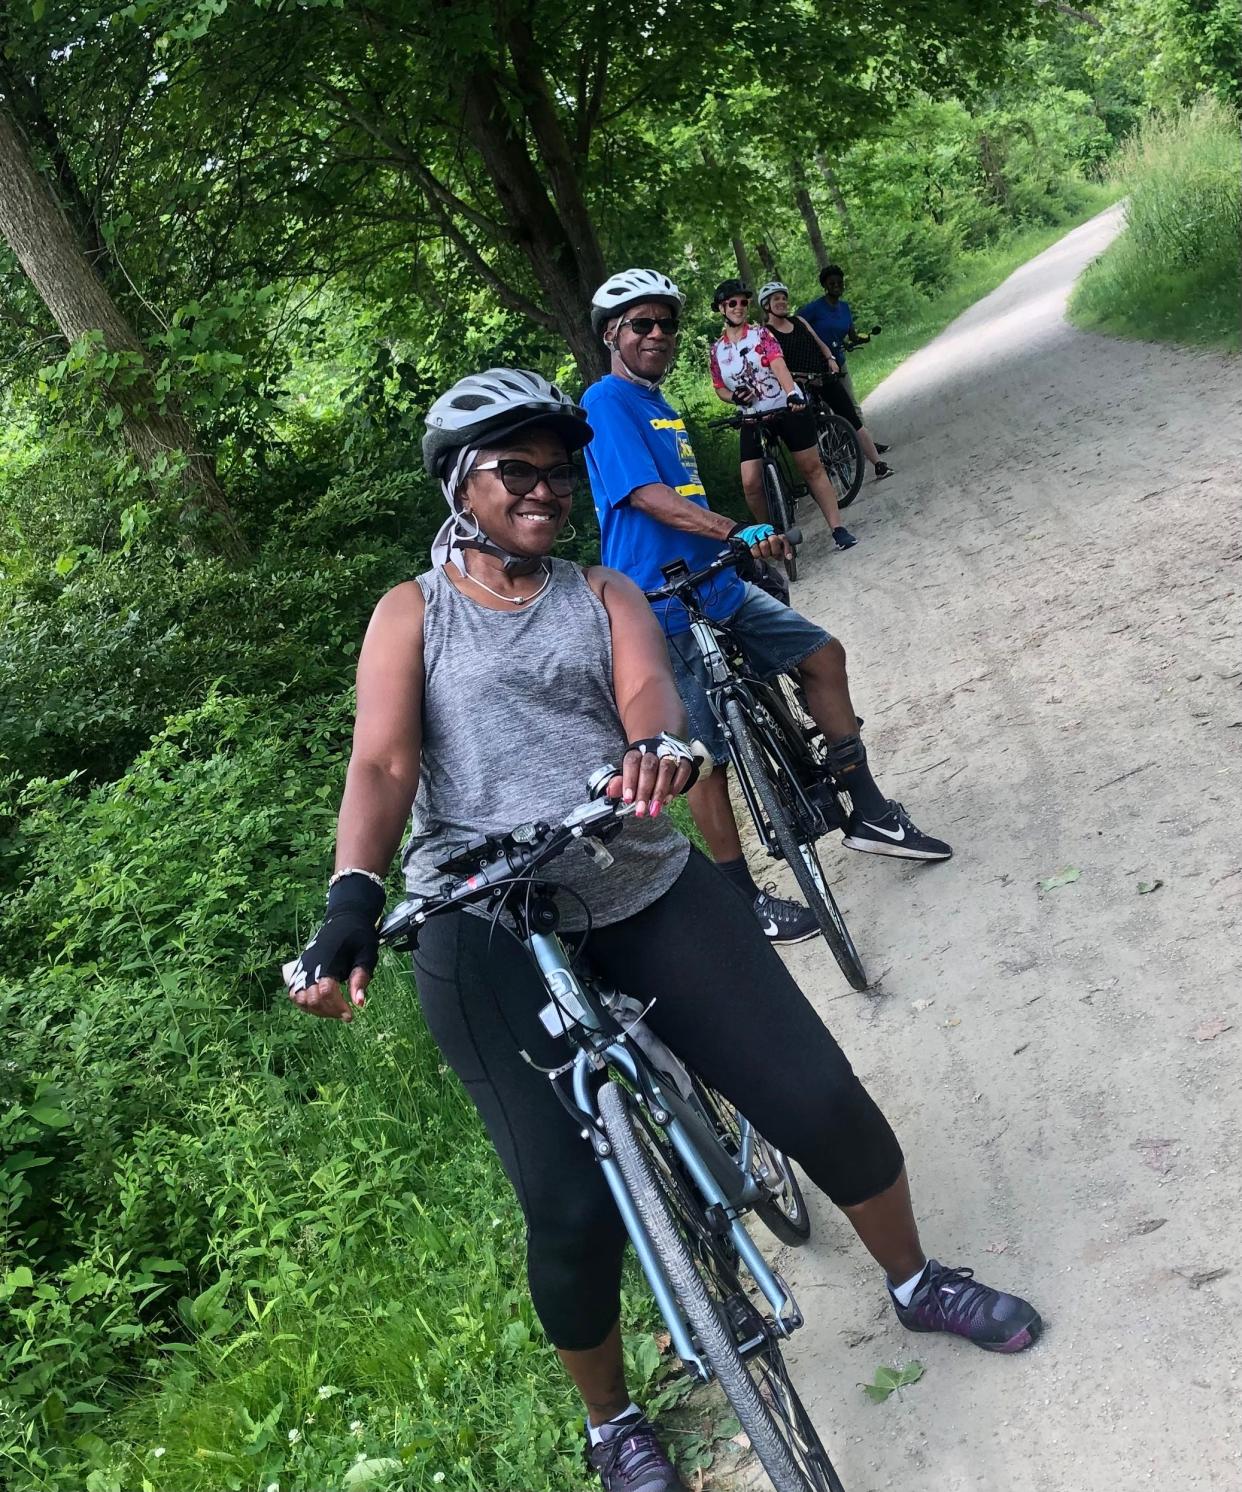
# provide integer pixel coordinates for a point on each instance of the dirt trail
(1043, 626)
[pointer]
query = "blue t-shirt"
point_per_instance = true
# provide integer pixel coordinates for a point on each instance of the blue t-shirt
(829, 323)
(640, 439)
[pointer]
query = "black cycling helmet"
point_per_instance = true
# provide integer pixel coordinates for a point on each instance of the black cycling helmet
(725, 289)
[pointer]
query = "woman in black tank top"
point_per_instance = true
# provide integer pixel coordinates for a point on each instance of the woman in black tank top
(720, 995)
(807, 356)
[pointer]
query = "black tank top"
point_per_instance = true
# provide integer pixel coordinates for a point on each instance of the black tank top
(802, 351)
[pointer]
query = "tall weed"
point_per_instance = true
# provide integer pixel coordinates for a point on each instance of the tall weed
(1174, 273)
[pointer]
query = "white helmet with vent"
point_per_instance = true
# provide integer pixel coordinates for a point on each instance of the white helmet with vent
(769, 290)
(630, 287)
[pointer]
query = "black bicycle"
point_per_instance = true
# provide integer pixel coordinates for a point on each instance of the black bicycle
(839, 448)
(780, 488)
(776, 749)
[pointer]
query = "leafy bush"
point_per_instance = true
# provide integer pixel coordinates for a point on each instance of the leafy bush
(1174, 272)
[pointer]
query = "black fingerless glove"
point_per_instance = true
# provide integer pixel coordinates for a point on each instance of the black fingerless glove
(664, 746)
(348, 938)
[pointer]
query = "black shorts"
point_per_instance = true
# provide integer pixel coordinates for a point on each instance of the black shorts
(796, 427)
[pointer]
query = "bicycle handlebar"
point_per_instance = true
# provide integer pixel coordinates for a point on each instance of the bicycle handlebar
(497, 858)
(493, 859)
(736, 421)
(736, 555)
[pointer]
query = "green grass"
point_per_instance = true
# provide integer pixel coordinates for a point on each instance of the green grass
(1173, 274)
(980, 274)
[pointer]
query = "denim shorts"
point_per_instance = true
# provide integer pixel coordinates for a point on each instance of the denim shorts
(773, 637)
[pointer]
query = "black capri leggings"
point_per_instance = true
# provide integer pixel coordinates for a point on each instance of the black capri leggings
(831, 392)
(725, 1004)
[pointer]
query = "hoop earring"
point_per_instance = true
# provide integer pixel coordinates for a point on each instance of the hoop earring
(458, 519)
(567, 534)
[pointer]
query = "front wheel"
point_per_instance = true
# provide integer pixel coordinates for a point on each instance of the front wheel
(842, 456)
(756, 1384)
(780, 510)
(801, 857)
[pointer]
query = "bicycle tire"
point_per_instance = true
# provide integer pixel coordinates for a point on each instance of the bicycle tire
(842, 456)
(789, 1220)
(705, 1316)
(801, 858)
(780, 510)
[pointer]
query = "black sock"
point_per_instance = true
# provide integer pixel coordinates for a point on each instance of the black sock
(858, 782)
(738, 873)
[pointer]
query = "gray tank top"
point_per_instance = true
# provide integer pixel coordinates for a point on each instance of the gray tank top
(518, 711)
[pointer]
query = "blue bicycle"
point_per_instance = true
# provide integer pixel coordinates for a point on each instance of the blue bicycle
(683, 1166)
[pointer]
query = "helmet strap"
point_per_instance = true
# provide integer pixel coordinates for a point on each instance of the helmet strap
(628, 372)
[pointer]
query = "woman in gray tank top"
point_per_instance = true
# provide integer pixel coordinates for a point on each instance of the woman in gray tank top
(489, 689)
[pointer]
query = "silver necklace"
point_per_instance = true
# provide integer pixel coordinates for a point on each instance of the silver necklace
(513, 600)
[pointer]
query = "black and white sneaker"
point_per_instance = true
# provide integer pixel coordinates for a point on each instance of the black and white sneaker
(784, 921)
(894, 834)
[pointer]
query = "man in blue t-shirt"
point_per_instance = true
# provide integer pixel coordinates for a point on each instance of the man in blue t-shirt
(832, 321)
(652, 509)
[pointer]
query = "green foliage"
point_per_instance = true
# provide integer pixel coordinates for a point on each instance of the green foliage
(889, 1381)
(1174, 272)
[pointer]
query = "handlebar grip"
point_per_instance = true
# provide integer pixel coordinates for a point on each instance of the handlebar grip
(793, 536)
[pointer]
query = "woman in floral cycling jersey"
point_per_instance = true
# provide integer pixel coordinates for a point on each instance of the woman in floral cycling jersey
(748, 369)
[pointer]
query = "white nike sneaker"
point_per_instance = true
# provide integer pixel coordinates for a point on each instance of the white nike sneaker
(895, 835)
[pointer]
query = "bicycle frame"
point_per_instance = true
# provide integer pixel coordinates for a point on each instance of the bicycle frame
(725, 1186)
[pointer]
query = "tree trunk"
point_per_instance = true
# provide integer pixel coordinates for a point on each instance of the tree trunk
(557, 157)
(765, 258)
(810, 217)
(537, 228)
(744, 268)
(838, 197)
(992, 163)
(45, 246)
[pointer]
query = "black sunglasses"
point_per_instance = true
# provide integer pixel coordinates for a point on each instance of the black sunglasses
(645, 325)
(742, 300)
(522, 477)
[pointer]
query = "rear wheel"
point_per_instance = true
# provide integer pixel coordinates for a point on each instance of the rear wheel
(773, 793)
(842, 456)
(783, 1208)
(780, 509)
(734, 1333)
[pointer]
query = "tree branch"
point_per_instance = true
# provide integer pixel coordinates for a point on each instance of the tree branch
(399, 155)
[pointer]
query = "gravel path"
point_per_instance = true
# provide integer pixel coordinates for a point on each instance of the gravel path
(1044, 636)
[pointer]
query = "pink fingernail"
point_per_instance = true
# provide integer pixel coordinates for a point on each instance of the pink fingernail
(640, 808)
(628, 795)
(655, 808)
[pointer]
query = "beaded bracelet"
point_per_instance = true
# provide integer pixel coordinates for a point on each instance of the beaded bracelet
(353, 870)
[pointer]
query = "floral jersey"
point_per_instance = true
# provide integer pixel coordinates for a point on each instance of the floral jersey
(746, 364)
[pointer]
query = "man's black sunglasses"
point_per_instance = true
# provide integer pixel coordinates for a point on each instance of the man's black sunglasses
(645, 325)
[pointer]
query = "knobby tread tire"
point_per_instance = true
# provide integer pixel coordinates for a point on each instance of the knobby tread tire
(845, 433)
(821, 902)
(706, 1320)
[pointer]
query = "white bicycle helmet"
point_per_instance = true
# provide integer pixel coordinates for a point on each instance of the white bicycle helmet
(478, 409)
(499, 401)
(629, 288)
(769, 290)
